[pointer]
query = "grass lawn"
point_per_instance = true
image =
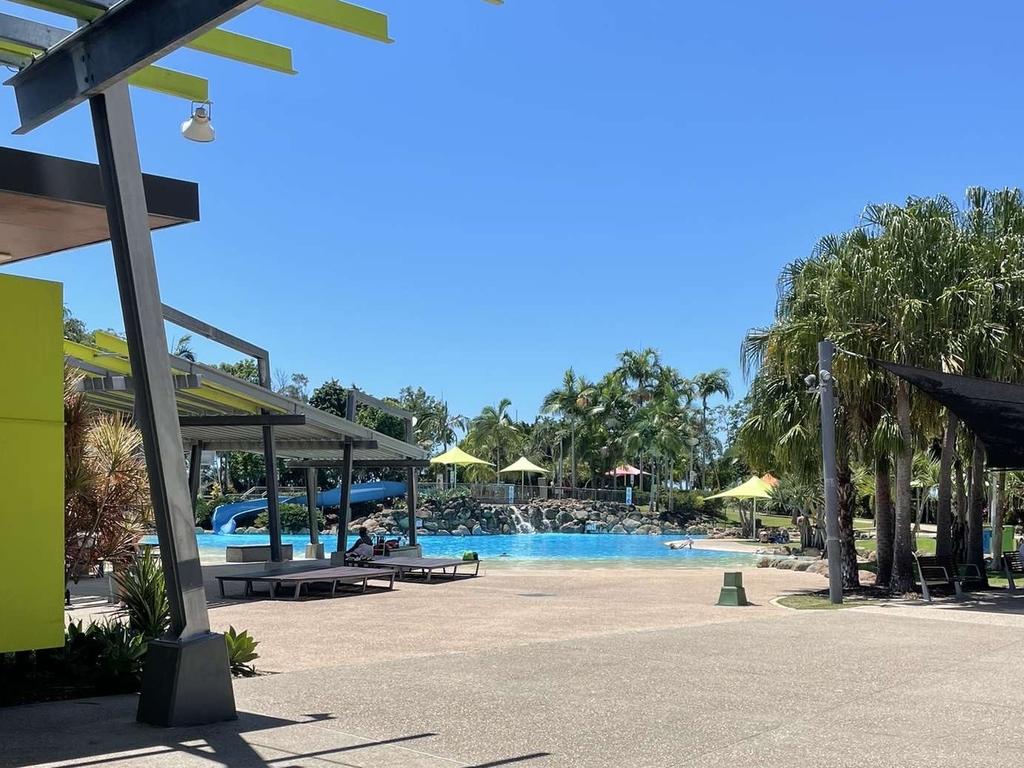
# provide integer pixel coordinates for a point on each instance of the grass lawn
(819, 601)
(732, 515)
(925, 546)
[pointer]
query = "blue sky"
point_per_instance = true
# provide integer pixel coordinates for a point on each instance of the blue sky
(505, 192)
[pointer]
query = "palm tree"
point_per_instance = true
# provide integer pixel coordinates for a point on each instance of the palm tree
(182, 347)
(440, 425)
(493, 429)
(706, 385)
(572, 401)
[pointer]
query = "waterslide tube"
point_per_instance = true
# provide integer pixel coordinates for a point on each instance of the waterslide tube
(226, 515)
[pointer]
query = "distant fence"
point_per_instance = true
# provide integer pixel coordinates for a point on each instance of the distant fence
(505, 493)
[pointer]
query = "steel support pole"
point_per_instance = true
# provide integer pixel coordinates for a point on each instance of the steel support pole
(195, 471)
(314, 531)
(828, 459)
(345, 508)
(273, 512)
(186, 679)
(410, 486)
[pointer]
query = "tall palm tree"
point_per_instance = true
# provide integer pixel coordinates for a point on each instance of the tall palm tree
(705, 386)
(572, 401)
(493, 429)
(440, 425)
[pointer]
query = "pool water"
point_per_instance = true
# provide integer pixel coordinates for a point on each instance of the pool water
(533, 548)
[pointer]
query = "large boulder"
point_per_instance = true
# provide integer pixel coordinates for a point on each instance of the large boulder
(618, 529)
(571, 528)
(630, 524)
(462, 531)
(565, 517)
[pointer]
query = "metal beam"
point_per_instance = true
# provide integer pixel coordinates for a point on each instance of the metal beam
(380, 405)
(273, 512)
(345, 512)
(245, 420)
(31, 34)
(292, 445)
(337, 14)
(195, 472)
(186, 678)
(109, 383)
(207, 331)
(119, 43)
(359, 463)
(314, 530)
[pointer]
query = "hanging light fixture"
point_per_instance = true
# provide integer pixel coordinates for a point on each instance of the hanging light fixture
(198, 127)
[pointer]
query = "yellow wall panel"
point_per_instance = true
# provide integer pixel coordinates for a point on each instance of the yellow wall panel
(31, 464)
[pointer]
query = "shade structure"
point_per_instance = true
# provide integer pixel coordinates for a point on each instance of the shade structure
(625, 470)
(754, 488)
(992, 410)
(458, 457)
(523, 464)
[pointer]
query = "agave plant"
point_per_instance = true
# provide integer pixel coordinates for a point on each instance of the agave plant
(143, 595)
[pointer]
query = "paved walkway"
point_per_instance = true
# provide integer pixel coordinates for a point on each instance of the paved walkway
(598, 667)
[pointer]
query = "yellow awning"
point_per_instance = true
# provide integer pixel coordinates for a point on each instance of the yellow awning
(754, 488)
(524, 465)
(459, 457)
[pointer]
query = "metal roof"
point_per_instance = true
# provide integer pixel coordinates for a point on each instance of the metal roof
(206, 391)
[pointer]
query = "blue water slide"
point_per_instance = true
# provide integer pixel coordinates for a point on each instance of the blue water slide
(225, 516)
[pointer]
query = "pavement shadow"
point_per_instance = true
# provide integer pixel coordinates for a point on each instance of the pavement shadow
(103, 732)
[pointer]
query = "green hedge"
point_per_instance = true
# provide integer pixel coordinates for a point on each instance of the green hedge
(294, 519)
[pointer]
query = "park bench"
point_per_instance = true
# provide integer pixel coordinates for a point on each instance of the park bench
(1012, 566)
(933, 571)
(296, 580)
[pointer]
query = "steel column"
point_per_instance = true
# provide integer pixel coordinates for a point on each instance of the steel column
(195, 471)
(314, 531)
(273, 512)
(345, 508)
(410, 485)
(828, 458)
(186, 677)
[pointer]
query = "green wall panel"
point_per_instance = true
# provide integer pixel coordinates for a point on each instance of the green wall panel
(31, 464)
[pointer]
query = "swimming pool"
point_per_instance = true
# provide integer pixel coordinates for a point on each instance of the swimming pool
(537, 548)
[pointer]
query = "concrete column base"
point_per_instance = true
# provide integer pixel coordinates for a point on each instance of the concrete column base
(187, 683)
(314, 551)
(337, 558)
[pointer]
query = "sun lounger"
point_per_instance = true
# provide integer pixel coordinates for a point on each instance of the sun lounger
(423, 565)
(296, 580)
(1012, 566)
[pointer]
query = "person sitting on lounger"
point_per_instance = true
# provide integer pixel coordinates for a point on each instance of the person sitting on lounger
(363, 548)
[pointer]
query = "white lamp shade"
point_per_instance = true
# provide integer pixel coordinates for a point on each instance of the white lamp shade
(198, 127)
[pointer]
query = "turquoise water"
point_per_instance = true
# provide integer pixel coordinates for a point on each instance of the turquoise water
(533, 548)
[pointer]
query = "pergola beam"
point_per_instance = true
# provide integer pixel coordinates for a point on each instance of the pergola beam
(127, 383)
(130, 36)
(359, 463)
(207, 331)
(291, 445)
(245, 420)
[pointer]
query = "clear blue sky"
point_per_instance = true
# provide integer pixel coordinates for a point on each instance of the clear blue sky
(555, 180)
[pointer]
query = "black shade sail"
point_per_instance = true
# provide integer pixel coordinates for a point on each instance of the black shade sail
(992, 410)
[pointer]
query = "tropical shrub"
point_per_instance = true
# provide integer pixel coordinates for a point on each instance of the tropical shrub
(143, 596)
(204, 510)
(106, 488)
(294, 519)
(241, 652)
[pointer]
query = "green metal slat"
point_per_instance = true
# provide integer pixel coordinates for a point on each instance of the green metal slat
(172, 83)
(247, 50)
(337, 14)
(219, 42)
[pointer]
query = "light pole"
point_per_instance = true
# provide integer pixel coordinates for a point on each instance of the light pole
(691, 441)
(826, 394)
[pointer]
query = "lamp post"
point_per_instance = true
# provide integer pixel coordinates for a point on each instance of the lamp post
(691, 441)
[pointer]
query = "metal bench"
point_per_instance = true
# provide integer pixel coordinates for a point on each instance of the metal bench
(1012, 566)
(336, 577)
(424, 565)
(942, 571)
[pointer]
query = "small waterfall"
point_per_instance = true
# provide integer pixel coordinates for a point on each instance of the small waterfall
(522, 526)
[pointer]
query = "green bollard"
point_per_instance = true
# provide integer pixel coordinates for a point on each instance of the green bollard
(732, 590)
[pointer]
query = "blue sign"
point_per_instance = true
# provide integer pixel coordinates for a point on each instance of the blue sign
(511, 494)
(629, 494)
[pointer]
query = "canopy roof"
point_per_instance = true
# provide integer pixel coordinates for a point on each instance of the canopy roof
(754, 488)
(625, 470)
(458, 456)
(204, 391)
(992, 410)
(50, 204)
(523, 464)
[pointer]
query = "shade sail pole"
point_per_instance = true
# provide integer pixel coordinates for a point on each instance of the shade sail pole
(828, 458)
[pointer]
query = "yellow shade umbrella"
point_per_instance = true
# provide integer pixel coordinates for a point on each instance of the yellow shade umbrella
(523, 464)
(458, 457)
(755, 488)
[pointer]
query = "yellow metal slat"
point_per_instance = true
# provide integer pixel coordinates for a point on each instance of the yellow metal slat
(337, 14)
